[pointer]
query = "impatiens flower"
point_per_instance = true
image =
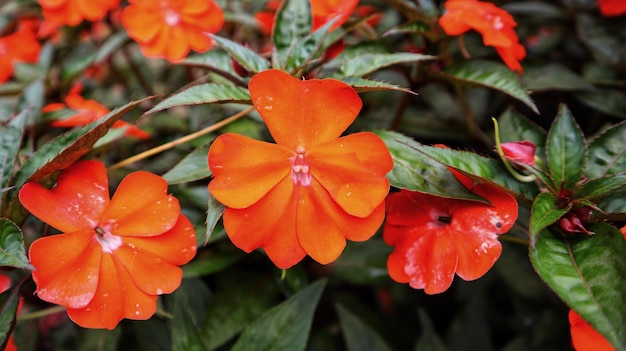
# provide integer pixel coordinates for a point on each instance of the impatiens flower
(493, 23)
(20, 46)
(520, 152)
(87, 111)
(72, 12)
(585, 337)
(115, 255)
(611, 8)
(434, 237)
(311, 190)
(171, 28)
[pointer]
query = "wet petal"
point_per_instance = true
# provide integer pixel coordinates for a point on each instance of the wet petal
(478, 250)
(245, 169)
(67, 268)
(141, 206)
(441, 262)
(326, 107)
(353, 170)
(75, 203)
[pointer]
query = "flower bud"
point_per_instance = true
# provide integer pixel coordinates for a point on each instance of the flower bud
(520, 152)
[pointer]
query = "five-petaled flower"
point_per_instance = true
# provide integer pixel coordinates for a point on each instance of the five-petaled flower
(87, 111)
(434, 237)
(72, 12)
(493, 23)
(19, 46)
(171, 28)
(611, 8)
(311, 190)
(114, 255)
(585, 337)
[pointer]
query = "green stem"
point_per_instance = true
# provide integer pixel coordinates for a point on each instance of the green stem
(40, 313)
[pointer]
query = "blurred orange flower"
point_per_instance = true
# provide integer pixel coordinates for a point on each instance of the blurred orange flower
(611, 8)
(493, 23)
(311, 190)
(20, 46)
(434, 237)
(87, 111)
(585, 337)
(171, 28)
(114, 256)
(72, 12)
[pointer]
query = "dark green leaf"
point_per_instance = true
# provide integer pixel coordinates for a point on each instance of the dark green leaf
(12, 252)
(10, 139)
(566, 150)
(293, 22)
(544, 212)
(363, 263)
(358, 335)
(284, 327)
(189, 308)
(247, 58)
(307, 49)
(534, 8)
(553, 77)
(208, 93)
(415, 171)
(516, 127)
(194, 166)
(32, 99)
(604, 46)
(362, 85)
(600, 187)
(429, 339)
(607, 152)
(9, 301)
(613, 203)
(210, 264)
(588, 273)
(98, 339)
(609, 101)
(492, 75)
(413, 27)
(214, 212)
(215, 59)
(368, 63)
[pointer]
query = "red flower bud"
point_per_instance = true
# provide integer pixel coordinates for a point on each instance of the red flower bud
(570, 223)
(520, 152)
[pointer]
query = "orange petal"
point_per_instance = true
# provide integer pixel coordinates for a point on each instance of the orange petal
(478, 250)
(353, 170)
(141, 206)
(245, 169)
(140, 25)
(404, 210)
(441, 262)
(303, 113)
(75, 203)
(67, 268)
(585, 337)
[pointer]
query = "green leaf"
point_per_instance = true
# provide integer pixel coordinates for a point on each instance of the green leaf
(553, 77)
(544, 212)
(12, 252)
(10, 139)
(216, 59)
(566, 150)
(588, 273)
(307, 49)
(362, 85)
(284, 327)
(98, 339)
(358, 335)
(194, 166)
(612, 102)
(415, 171)
(429, 339)
(363, 263)
(215, 210)
(293, 22)
(516, 127)
(9, 301)
(189, 308)
(607, 152)
(613, 203)
(247, 58)
(207, 93)
(211, 264)
(491, 75)
(601, 187)
(368, 63)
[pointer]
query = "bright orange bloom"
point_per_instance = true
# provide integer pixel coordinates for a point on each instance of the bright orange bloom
(116, 255)
(72, 12)
(87, 111)
(434, 237)
(493, 23)
(311, 190)
(585, 337)
(171, 28)
(20, 46)
(610, 8)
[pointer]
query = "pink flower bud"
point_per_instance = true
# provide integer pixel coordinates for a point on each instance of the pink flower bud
(520, 152)
(570, 223)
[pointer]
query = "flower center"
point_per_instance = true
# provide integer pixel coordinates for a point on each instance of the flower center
(171, 17)
(497, 23)
(108, 240)
(438, 219)
(300, 170)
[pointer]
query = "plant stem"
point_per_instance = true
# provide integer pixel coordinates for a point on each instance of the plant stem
(180, 141)
(40, 313)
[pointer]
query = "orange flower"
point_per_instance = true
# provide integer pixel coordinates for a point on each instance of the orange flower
(493, 23)
(171, 28)
(72, 12)
(20, 46)
(585, 337)
(116, 255)
(610, 8)
(434, 237)
(311, 190)
(87, 111)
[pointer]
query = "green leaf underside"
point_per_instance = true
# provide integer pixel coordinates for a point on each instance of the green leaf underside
(544, 212)
(492, 75)
(588, 273)
(12, 252)
(9, 301)
(247, 58)
(362, 85)
(284, 327)
(358, 335)
(10, 137)
(306, 48)
(607, 152)
(365, 64)
(194, 166)
(214, 212)
(566, 150)
(206, 93)
(293, 22)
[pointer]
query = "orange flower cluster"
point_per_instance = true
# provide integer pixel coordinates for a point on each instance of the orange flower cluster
(611, 8)
(434, 237)
(114, 256)
(72, 12)
(20, 46)
(311, 190)
(87, 111)
(493, 23)
(171, 28)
